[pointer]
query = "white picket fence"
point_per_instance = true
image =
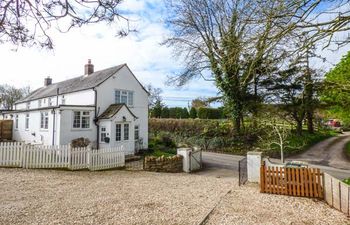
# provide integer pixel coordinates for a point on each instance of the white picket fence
(16, 154)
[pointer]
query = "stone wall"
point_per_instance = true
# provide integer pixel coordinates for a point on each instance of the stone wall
(171, 164)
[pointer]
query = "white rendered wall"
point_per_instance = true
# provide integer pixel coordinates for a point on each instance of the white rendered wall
(68, 133)
(124, 80)
(34, 134)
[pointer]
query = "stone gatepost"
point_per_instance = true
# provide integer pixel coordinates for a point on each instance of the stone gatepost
(254, 160)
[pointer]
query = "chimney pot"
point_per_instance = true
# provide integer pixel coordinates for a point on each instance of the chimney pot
(89, 68)
(47, 81)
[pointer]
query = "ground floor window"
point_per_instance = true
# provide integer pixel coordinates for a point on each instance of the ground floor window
(16, 122)
(137, 132)
(103, 134)
(27, 122)
(126, 132)
(118, 132)
(44, 120)
(81, 119)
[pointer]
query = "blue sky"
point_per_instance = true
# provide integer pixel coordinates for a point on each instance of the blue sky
(150, 61)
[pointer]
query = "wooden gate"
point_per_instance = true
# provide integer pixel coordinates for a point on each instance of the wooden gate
(6, 129)
(304, 182)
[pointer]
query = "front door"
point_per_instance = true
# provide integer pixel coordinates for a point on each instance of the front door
(123, 137)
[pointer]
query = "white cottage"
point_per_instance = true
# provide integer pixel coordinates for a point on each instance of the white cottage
(109, 107)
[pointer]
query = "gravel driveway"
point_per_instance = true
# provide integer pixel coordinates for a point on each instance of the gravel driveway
(124, 197)
(108, 197)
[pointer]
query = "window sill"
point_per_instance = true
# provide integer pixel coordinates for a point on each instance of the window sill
(44, 130)
(81, 129)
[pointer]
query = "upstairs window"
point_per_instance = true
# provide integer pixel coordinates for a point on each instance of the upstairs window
(44, 120)
(27, 122)
(50, 102)
(81, 119)
(28, 105)
(39, 103)
(125, 97)
(63, 100)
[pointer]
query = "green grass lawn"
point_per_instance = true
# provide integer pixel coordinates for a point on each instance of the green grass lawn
(347, 181)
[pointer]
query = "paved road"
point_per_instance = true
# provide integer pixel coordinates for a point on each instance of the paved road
(225, 165)
(222, 165)
(329, 152)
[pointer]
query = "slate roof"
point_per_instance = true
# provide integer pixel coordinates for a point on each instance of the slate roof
(112, 110)
(73, 85)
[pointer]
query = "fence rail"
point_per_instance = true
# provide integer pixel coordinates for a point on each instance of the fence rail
(16, 154)
(305, 182)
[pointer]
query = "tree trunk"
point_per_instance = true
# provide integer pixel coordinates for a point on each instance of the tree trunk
(299, 127)
(237, 125)
(310, 123)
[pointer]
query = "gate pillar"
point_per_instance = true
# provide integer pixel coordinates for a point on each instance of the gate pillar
(254, 160)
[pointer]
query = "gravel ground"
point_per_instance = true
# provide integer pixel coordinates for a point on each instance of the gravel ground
(109, 197)
(125, 197)
(245, 205)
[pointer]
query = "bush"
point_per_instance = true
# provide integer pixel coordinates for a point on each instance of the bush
(210, 113)
(80, 142)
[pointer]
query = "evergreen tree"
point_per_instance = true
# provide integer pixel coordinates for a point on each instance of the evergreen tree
(193, 113)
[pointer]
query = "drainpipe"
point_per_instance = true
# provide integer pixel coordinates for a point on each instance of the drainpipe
(54, 118)
(96, 120)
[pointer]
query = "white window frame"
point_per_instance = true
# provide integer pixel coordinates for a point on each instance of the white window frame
(50, 102)
(103, 134)
(26, 124)
(44, 120)
(16, 122)
(129, 95)
(126, 138)
(137, 130)
(39, 103)
(81, 116)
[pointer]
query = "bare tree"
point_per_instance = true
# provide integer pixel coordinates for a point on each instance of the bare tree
(237, 41)
(10, 94)
(27, 22)
(154, 95)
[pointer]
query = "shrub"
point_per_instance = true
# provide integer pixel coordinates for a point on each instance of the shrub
(80, 142)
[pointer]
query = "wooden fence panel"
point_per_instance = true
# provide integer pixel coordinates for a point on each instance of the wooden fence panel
(291, 181)
(6, 129)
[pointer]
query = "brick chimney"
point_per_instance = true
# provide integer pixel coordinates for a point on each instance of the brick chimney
(89, 68)
(47, 81)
